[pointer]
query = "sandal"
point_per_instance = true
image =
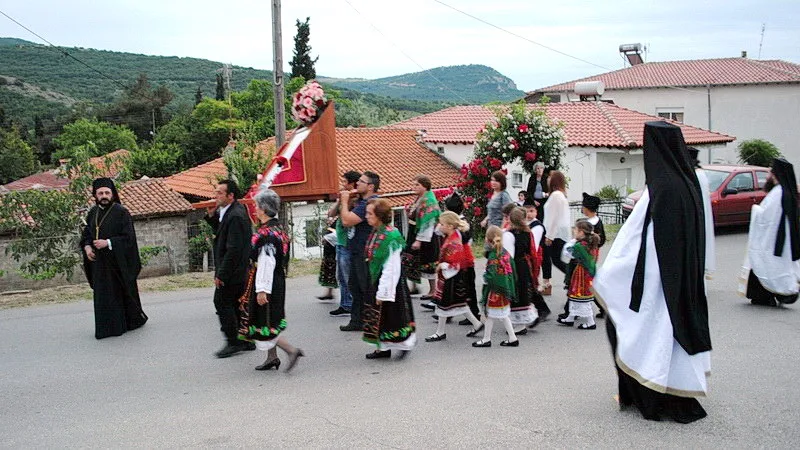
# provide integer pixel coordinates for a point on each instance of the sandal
(482, 343)
(436, 337)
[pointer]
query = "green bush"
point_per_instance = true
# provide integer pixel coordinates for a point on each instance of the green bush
(608, 192)
(758, 152)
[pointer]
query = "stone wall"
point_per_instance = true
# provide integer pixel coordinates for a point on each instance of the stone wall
(169, 232)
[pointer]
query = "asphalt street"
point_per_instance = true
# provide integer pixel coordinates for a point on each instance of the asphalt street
(160, 386)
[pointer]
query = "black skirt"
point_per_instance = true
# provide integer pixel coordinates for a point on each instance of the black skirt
(327, 268)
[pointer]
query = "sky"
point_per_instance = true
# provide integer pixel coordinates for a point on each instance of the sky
(380, 38)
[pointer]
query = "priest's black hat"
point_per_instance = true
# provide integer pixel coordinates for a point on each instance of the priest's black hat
(784, 172)
(694, 153)
(454, 203)
(107, 183)
(591, 202)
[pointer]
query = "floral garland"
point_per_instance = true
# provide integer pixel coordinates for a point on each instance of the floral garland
(308, 103)
(520, 132)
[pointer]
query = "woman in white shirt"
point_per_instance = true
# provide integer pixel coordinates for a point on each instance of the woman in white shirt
(262, 315)
(557, 225)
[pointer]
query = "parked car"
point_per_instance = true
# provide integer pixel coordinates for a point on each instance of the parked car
(734, 190)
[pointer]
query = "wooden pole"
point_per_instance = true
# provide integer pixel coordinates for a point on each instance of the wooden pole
(277, 68)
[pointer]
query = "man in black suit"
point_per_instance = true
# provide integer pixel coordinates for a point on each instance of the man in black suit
(232, 230)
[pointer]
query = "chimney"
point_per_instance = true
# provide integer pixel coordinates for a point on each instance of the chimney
(744, 53)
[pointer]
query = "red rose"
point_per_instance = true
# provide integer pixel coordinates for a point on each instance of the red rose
(514, 144)
(530, 156)
(523, 128)
(477, 211)
(484, 172)
(495, 163)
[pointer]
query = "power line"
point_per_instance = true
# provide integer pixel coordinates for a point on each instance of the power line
(69, 55)
(426, 71)
(554, 49)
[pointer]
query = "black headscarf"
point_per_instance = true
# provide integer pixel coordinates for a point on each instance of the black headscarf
(590, 202)
(676, 210)
(693, 156)
(454, 203)
(784, 172)
(107, 183)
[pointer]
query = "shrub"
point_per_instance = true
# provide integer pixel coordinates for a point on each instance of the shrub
(608, 192)
(758, 152)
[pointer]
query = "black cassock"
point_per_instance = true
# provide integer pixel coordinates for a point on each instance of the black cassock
(112, 276)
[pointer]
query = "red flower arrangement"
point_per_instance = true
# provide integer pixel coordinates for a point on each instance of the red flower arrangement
(308, 103)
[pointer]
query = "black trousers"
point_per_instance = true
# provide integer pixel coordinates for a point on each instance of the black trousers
(359, 286)
(552, 257)
(226, 301)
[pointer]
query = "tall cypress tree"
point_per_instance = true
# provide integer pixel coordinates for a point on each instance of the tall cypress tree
(220, 88)
(198, 96)
(302, 64)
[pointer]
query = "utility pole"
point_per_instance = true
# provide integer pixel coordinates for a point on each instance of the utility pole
(277, 70)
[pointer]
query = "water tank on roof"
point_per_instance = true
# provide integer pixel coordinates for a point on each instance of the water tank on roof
(590, 88)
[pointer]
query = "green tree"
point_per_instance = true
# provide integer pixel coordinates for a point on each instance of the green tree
(302, 64)
(758, 152)
(244, 162)
(156, 160)
(106, 138)
(198, 96)
(220, 88)
(140, 108)
(16, 157)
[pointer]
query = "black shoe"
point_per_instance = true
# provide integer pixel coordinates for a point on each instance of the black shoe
(427, 297)
(324, 297)
(510, 344)
(563, 316)
(583, 326)
(270, 364)
(428, 305)
(543, 315)
(436, 337)
(339, 312)
(475, 331)
(564, 322)
(601, 315)
(229, 350)
(535, 322)
(249, 346)
(436, 318)
(293, 359)
(482, 343)
(403, 354)
(379, 355)
(465, 322)
(521, 332)
(351, 327)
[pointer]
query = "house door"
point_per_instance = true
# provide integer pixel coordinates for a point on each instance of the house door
(621, 178)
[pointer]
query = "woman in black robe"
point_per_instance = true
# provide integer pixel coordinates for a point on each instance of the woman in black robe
(111, 263)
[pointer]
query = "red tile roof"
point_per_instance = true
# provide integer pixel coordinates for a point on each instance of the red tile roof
(700, 72)
(110, 165)
(394, 154)
(152, 198)
(586, 124)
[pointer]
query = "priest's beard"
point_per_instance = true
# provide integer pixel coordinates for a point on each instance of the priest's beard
(769, 184)
(104, 202)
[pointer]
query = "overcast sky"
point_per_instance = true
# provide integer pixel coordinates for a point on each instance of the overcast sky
(417, 34)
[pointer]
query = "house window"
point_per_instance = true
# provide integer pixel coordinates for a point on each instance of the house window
(675, 114)
(516, 179)
(440, 149)
(314, 231)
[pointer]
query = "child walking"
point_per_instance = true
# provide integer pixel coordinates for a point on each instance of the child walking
(584, 254)
(498, 289)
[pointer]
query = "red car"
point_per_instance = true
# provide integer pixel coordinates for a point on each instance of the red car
(734, 190)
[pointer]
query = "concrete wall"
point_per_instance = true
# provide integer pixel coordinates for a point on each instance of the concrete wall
(768, 111)
(170, 232)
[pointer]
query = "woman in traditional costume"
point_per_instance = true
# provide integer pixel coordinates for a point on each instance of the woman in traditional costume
(422, 244)
(261, 308)
(327, 268)
(518, 242)
(498, 289)
(388, 313)
(452, 292)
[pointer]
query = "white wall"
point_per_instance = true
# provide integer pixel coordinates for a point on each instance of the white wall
(457, 153)
(768, 111)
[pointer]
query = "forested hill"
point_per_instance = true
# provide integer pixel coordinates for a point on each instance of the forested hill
(474, 84)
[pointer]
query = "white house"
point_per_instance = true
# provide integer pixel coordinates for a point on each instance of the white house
(741, 97)
(604, 142)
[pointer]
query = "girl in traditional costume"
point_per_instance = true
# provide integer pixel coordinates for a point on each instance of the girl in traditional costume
(452, 292)
(388, 313)
(518, 242)
(498, 289)
(584, 256)
(261, 308)
(422, 249)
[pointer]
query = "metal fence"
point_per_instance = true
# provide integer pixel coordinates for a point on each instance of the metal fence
(610, 211)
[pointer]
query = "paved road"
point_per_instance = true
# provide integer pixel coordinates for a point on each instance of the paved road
(160, 386)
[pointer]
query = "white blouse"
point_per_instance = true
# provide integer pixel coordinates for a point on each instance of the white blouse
(390, 276)
(556, 217)
(266, 269)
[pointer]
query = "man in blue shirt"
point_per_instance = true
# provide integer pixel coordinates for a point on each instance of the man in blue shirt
(366, 187)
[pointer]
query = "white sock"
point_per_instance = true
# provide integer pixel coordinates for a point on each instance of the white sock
(440, 329)
(473, 320)
(509, 329)
(487, 331)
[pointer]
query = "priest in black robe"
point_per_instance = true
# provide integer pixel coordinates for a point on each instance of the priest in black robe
(772, 268)
(652, 284)
(111, 262)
